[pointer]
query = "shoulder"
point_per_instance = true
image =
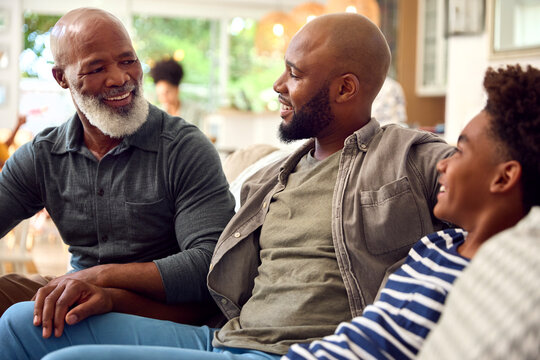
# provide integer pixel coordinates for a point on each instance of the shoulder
(439, 250)
(51, 134)
(394, 132)
(175, 133)
(171, 127)
(441, 240)
(412, 142)
(420, 148)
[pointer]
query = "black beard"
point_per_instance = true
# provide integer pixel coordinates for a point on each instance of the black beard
(310, 119)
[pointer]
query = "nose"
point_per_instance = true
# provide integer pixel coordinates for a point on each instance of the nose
(116, 77)
(279, 84)
(441, 165)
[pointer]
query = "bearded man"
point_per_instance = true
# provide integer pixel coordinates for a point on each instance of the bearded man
(138, 196)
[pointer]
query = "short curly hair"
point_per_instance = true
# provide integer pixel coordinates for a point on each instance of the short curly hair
(168, 70)
(513, 107)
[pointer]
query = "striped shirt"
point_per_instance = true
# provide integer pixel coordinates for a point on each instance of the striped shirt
(396, 325)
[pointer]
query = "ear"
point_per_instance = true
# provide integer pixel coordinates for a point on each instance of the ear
(508, 176)
(348, 87)
(60, 77)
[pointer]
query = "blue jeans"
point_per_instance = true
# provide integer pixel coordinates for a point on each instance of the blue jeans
(113, 336)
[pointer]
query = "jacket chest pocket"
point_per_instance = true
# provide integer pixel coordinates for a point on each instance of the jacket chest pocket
(391, 217)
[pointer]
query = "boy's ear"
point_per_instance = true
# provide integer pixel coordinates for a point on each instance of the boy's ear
(508, 176)
(60, 77)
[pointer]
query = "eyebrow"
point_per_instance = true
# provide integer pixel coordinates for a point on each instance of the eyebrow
(123, 55)
(290, 64)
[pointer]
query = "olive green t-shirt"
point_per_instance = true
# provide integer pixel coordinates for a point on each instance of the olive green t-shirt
(298, 295)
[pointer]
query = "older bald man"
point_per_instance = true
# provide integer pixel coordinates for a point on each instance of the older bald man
(139, 196)
(316, 232)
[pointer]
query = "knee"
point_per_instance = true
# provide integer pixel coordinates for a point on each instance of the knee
(17, 316)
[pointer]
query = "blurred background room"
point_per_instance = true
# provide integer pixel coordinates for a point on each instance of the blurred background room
(231, 52)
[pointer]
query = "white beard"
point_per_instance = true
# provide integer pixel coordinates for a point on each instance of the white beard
(114, 122)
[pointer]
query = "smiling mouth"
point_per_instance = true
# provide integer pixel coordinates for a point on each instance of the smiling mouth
(285, 107)
(117, 98)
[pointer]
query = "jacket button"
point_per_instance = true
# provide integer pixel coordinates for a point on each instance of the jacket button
(264, 204)
(236, 235)
(223, 301)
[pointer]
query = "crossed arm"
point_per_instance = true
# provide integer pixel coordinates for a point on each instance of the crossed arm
(73, 297)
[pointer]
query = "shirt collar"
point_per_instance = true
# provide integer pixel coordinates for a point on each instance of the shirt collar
(362, 137)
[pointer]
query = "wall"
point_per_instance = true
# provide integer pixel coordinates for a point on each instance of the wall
(465, 96)
(421, 110)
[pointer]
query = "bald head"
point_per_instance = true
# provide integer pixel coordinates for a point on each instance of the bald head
(75, 27)
(351, 44)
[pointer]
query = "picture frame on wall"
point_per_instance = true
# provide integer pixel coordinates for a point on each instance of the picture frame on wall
(465, 17)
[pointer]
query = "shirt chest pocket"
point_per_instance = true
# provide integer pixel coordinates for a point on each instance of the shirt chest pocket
(148, 222)
(391, 218)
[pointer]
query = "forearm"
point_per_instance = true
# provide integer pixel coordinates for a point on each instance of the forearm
(188, 313)
(142, 278)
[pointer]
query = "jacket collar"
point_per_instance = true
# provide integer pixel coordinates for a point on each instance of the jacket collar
(359, 139)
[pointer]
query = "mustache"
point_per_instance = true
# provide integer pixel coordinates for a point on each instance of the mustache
(280, 97)
(127, 87)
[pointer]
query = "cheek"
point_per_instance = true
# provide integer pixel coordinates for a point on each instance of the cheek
(91, 86)
(297, 97)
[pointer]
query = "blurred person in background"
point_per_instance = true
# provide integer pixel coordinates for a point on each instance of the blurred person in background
(168, 75)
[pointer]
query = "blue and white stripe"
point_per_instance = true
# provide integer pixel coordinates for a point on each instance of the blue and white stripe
(396, 326)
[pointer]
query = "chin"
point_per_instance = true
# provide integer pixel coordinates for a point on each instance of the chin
(439, 213)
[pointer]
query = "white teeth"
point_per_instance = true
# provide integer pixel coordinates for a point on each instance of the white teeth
(285, 107)
(121, 97)
(442, 189)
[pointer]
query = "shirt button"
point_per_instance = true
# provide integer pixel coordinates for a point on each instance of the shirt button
(264, 204)
(363, 146)
(236, 235)
(223, 301)
(100, 192)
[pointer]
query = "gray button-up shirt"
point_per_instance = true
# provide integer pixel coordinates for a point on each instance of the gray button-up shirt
(160, 196)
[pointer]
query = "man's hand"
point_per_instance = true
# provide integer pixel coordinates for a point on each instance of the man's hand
(90, 275)
(70, 301)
